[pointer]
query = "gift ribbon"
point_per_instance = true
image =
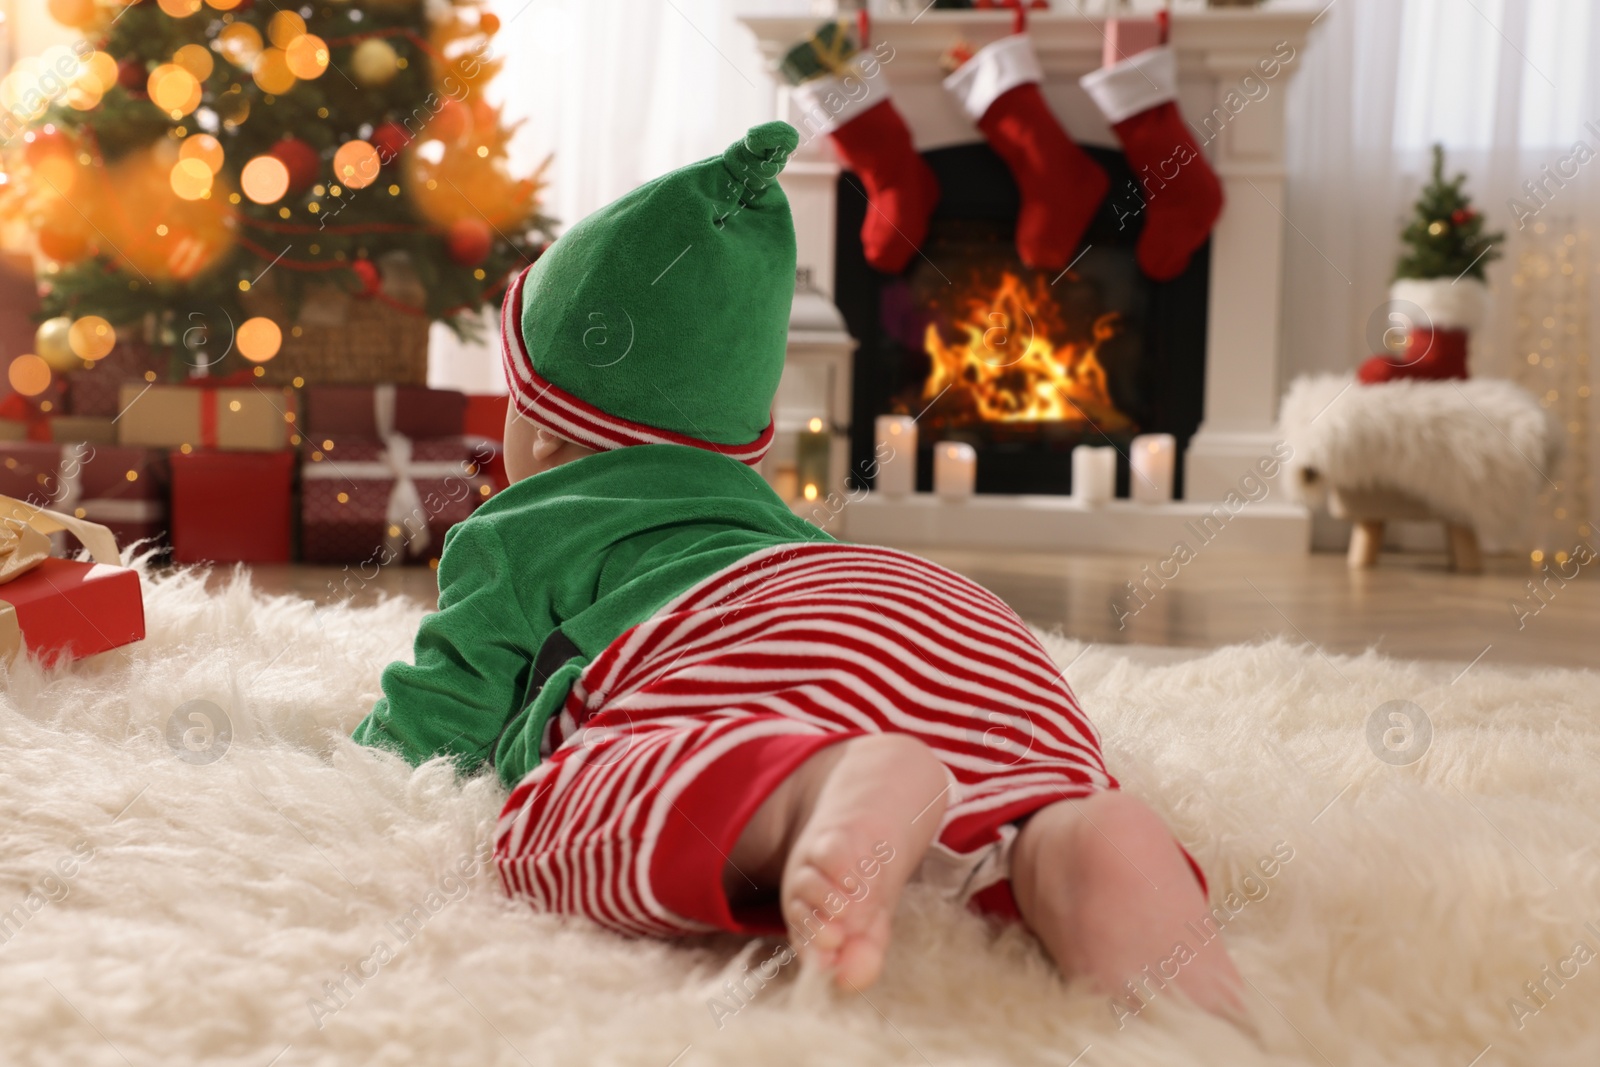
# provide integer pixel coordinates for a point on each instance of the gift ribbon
(833, 53)
(209, 400)
(25, 537)
(405, 499)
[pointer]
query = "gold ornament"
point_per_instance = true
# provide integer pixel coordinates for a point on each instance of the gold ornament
(374, 63)
(53, 345)
(1436, 228)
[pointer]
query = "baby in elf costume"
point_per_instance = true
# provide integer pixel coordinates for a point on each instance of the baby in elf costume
(710, 714)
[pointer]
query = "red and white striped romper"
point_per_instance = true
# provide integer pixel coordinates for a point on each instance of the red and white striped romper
(677, 732)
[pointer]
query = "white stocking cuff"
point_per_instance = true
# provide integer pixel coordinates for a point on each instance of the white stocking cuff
(827, 103)
(994, 69)
(1134, 85)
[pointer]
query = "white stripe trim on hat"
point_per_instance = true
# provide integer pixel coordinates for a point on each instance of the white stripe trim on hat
(994, 70)
(575, 420)
(1134, 85)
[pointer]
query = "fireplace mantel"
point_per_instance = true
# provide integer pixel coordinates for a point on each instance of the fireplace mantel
(1217, 51)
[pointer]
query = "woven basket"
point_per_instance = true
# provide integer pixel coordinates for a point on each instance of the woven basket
(340, 339)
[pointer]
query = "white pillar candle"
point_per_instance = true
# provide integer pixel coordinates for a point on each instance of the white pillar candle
(897, 455)
(1094, 474)
(1152, 460)
(955, 469)
(811, 459)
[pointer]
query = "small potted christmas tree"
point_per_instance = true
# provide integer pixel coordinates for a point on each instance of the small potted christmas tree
(1439, 291)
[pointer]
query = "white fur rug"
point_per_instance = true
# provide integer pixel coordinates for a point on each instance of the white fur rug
(1476, 452)
(155, 909)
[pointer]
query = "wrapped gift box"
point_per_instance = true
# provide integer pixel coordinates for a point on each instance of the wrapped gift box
(362, 501)
(67, 609)
(232, 507)
(97, 389)
(59, 608)
(61, 428)
(123, 489)
(485, 427)
(249, 418)
(374, 412)
(27, 418)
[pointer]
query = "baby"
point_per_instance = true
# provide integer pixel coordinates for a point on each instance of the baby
(713, 716)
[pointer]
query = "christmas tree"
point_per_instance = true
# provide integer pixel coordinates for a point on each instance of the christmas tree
(204, 155)
(1445, 237)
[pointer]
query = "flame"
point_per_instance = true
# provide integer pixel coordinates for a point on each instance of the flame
(1010, 369)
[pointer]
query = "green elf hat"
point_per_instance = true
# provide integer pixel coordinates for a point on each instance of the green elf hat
(663, 317)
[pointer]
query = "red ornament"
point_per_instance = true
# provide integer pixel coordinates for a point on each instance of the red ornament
(469, 242)
(303, 161)
(366, 272)
(1462, 215)
(134, 77)
(390, 140)
(452, 122)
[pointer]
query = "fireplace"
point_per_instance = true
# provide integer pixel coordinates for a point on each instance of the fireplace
(1023, 365)
(1197, 357)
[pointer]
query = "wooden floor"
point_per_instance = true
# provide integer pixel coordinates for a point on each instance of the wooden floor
(1410, 606)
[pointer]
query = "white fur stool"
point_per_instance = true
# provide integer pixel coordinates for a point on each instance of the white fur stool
(1470, 454)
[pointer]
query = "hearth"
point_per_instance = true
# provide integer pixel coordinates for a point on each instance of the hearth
(1022, 364)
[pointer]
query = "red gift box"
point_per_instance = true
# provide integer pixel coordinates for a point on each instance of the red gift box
(67, 609)
(97, 390)
(232, 507)
(485, 427)
(374, 412)
(121, 488)
(366, 502)
(59, 608)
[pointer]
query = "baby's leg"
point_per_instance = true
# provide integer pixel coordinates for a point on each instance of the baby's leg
(839, 839)
(1106, 888)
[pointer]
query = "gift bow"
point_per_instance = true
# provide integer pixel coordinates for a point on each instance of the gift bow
(25, 543)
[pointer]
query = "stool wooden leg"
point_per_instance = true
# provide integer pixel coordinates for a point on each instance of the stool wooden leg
(1366, 541)
(1465, 556)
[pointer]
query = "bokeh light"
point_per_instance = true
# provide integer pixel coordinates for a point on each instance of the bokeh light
(224, 5)
(196, 59)
(191, 179)
(179, 9)
(307, 56)
(241, 43)
(271, 72)
(102, 69)
(259, 339)
(204, 147)
(284, 28)
(174, 89)
(29, 375)
(356, 164)
(265, 179)
(92, 338)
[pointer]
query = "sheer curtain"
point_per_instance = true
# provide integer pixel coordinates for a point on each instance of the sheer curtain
(615, 92)
(1510, 88)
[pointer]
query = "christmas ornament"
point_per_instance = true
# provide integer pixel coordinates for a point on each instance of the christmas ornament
(366, 273)
(1182, 197)
(1439, 295)
(53, 345)
(452, 122)
(374, 63)
(65, 244)
(303, 162)
(1061, 186)
(469, 242)
(872, 139)
(390, 140)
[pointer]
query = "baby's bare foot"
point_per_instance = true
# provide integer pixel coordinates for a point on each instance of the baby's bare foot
(1106, 888)
(870, 807)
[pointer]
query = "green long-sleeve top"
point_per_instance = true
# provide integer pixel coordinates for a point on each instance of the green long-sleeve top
(593, 547)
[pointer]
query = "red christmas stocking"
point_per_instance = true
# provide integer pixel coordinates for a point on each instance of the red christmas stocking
(874, 141)
(1182, 195)
(1438, 316)
(1061, 186)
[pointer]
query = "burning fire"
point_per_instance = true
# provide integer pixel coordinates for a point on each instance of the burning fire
(1011, 371)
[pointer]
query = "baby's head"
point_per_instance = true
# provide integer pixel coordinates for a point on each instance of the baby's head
(662, 318)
